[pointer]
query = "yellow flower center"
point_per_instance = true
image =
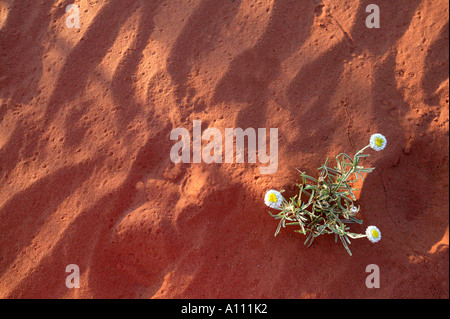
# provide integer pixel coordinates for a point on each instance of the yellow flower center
(273, 198)
(375, 234)
(379, 141)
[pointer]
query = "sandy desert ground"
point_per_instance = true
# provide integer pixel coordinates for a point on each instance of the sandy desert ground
(86, 176)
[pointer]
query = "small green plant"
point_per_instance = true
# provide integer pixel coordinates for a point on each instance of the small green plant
(326, 205)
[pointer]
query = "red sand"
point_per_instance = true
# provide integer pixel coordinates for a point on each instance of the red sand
(85, 172)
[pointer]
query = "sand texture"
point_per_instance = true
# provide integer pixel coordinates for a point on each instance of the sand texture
(86, 176)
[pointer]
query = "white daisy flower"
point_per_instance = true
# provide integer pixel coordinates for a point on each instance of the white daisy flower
(273, 199)
(378, 142)
(373, 234)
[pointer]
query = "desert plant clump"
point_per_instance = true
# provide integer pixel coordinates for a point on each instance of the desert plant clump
(326, 205)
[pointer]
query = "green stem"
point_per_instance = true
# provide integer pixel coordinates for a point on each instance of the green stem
(344, 179)
(360, 152)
